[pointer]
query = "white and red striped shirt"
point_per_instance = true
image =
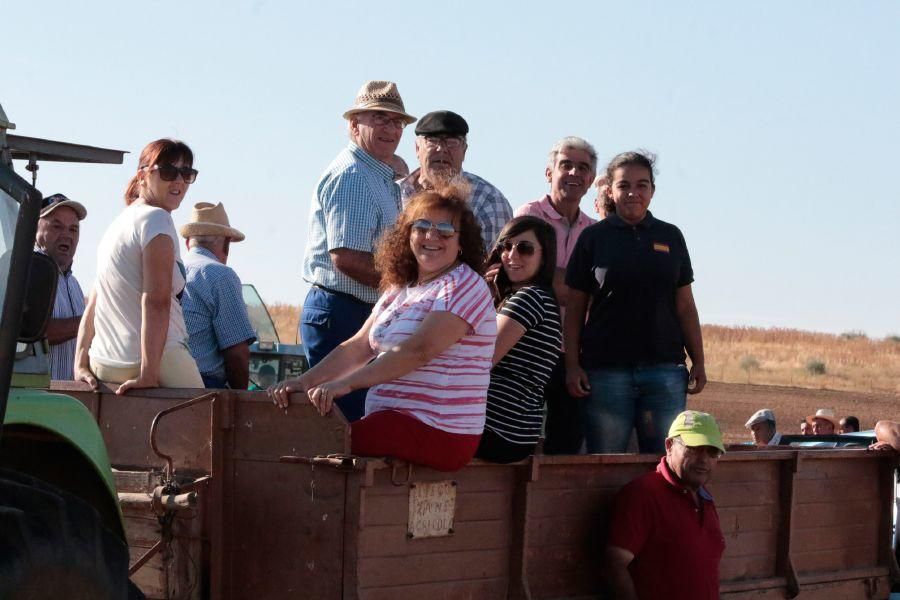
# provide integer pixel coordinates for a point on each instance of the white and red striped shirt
(449, 392)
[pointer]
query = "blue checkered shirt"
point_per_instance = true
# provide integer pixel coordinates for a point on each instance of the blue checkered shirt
(355, 201)
(69, 303)
(490, 207)
(214, 311)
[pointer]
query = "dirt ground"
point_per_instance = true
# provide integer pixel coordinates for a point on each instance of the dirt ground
(732, 404)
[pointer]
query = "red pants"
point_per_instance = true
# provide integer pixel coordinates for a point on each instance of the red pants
(394, 434)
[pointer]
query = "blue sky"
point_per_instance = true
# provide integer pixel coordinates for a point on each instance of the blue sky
(776, 123)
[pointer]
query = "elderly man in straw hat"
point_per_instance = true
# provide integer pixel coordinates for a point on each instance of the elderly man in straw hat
(823, 422)
(214, 311)
(354, 202)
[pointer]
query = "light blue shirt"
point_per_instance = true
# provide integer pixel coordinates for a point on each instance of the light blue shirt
(69, 303)
(355, 201)
(214, 311)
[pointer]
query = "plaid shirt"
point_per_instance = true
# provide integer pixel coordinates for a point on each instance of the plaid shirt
(69, 303)
(356, 200)
(214, 311)
(491, 208)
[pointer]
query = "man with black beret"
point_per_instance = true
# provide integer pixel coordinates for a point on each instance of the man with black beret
(441, 149)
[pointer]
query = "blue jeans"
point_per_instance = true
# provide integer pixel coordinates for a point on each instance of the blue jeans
(646, 398)
(327, 320)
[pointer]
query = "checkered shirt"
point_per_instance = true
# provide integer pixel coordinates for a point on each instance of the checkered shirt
(355, 201)
(214, 311)
(491, 208)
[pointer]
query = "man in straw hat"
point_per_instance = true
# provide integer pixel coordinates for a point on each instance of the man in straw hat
(214, 311)
(665, 540)
(57, 237)
(354, 202)
(823, 422)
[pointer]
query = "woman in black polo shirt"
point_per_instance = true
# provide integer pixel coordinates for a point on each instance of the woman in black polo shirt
(629, 356)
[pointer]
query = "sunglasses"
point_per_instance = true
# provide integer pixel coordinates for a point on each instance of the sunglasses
(445, 230)
(169, 173)
(524, 247)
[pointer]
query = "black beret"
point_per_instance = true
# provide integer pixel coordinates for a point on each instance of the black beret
(442, 122)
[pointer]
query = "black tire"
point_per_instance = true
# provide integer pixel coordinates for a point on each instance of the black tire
(53, 545)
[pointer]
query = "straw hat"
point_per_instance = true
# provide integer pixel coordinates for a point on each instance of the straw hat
(210, 219)
(824, 413)
(379, 95)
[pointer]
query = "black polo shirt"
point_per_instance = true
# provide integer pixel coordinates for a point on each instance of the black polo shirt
(631, 273)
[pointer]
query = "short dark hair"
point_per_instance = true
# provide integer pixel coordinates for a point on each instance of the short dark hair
(852, 422)
(546, 237)
(640, 158)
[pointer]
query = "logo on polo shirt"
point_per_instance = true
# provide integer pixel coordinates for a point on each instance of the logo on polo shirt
(660, 247)
(600, 275)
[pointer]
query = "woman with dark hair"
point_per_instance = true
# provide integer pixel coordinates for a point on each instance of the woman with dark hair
(132, 331)
(425, 352)
(629, 357)
(529, 339)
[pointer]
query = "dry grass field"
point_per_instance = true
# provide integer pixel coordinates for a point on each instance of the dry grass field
(790, 371)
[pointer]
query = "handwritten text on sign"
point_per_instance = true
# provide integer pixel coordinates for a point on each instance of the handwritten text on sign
(431, 509)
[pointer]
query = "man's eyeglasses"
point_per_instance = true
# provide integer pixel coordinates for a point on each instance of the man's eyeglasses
(450, 143)
(423, 226)
(381, 119)
(169, 173)
(523, 247)
(710, 451)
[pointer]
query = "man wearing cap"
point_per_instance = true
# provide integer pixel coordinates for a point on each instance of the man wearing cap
(664, 539)
(823, 422)
(355, 200)
(57, 237)
(762, 428)
(570, 171)
(218, 326)
(441, 149)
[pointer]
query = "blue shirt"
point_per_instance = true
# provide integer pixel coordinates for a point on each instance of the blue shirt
(214, 311)
(355, 201)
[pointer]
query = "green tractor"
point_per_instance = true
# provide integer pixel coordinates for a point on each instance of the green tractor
(61, 528)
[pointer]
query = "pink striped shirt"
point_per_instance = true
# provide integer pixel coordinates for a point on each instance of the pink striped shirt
(449, 392)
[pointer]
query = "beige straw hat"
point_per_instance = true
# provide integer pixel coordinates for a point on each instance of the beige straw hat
(379, 95)
(210, 219)
(824, 413)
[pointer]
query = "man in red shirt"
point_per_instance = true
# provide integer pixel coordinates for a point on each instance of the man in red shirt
(664, 538)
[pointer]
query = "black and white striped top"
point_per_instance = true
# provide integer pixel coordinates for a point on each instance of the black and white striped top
(516, 394)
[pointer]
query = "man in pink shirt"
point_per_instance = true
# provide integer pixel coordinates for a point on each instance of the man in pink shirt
(571, 168)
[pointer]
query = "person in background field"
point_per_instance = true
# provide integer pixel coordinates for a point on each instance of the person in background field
(132, 331)
(441, 149)
(603, 204)
(57, 237)
(425, 352)
(218, 326)
(849, 425)
(805, 428)
(762, 427)
(823, 422)
(628, 359)
(401, 169)
(665, 540)
(529, 339)
(570, 170)
(355, 201)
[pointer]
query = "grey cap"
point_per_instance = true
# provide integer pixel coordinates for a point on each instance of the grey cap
(759, 416)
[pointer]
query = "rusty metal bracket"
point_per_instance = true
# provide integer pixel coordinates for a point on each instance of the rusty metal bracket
(159, 416)
(394, 467)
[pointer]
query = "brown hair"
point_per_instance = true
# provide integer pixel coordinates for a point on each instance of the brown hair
(394, 258)
(164, 151)
(640, 158)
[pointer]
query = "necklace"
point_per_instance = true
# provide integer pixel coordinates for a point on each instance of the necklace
(452, 266)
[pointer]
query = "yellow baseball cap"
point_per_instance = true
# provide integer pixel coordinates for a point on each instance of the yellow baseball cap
(697, 428)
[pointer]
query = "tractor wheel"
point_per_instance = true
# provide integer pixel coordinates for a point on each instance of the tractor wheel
(53, 545)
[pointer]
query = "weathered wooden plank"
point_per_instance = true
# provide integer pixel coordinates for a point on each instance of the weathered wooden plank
(822, 515)
(475, 506)
(836, 559)
(566, 476)
(759, 471)
(549, 503)
(835, 490)
(151, 578)
(737, 568)
(863, 471)
(748, 518)
(477, 478)
(731, 494)
(135, 481)
(564, 530)
(391, 540)
(470, 589)
(827, 538)
(447, 566)
(750, 543)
